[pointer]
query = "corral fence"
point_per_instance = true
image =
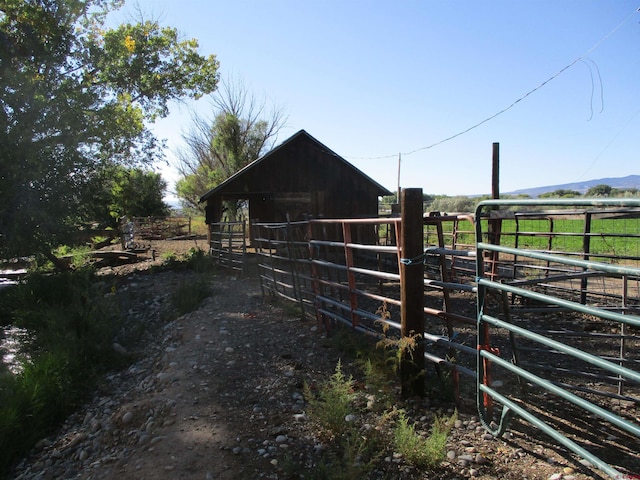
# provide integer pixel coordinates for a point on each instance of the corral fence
(137, 230)
(535, 302)
(228, 244)
(558, 326)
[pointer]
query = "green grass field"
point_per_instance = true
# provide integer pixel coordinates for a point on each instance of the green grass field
(616, 237)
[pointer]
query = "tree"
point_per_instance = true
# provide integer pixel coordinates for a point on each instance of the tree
(75, 100)
(459, 203)
(217, 148)
(601, 190)
(136, 192)
(561, 193)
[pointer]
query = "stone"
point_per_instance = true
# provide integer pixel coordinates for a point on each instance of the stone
(127, 418)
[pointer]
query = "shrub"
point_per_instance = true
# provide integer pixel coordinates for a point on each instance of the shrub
(189, 294)
(418, 450)
(71, 323)
(333, 402)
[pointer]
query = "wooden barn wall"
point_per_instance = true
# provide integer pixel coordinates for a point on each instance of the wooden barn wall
(303, 181)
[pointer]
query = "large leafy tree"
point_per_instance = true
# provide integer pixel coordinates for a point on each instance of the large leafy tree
(75, 100)
(240, 131)
(136, 192)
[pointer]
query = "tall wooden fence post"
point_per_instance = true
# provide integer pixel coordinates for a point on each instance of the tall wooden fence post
(412, 293)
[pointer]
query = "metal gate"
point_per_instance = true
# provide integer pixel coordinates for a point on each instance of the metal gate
(558, 308)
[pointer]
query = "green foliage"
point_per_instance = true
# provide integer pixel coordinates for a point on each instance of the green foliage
(601, 190)
(458, 203)
(76, 100)
(423, 451)
(148, 64)
(189, 294)
(137, 193)
(333, 402)
(195, 259)
(375, 427)
(78, 256)
(216, 149)
(72, 324)
(561, 193)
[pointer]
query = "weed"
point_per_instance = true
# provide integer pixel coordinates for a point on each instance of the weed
(169, 258)
(71, 324)
(189, 294)
(356, 447)
(195, 259)
(420, 451)
(333, 402)
(356, 458)
(290, 309)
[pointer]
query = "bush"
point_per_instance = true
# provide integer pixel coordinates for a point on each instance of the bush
(418, 450)
(71, 323)
(333, 402)
(189, 294)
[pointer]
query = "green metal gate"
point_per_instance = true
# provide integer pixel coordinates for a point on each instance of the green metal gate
(558, 317)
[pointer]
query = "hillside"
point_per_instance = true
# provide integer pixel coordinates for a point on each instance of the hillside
(630, 181)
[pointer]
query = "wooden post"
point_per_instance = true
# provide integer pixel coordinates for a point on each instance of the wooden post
(412, 293)
(495, 225)
(495, 171)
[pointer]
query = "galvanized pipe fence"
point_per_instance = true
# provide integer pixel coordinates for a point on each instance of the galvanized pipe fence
(228, 244)
(347, 272)
(540, 313)
(558, 323)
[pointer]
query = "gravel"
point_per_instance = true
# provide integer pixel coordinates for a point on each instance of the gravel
(218, 394)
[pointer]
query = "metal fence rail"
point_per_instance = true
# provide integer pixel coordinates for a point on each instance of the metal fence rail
(321, 266)
(282, 255)
(228, 245)
(552, 335)
(557, 330)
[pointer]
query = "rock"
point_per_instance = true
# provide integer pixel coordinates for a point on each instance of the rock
(120, 350)
(300, 417)
(127, 418)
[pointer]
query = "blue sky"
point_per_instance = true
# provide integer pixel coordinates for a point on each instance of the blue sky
(372, 79)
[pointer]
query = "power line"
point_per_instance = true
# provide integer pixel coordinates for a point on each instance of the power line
(513, 104)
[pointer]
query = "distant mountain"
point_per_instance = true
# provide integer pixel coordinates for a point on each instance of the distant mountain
(631, 181)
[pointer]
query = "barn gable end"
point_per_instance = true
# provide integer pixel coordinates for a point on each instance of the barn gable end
(298, 179)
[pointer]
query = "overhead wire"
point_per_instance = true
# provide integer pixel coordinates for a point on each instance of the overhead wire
(514, 103)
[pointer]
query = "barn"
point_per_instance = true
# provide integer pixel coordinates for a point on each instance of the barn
(300, 178)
